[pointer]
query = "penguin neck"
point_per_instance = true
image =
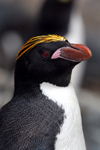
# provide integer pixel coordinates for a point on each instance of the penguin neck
(25, 83)
(28, 80)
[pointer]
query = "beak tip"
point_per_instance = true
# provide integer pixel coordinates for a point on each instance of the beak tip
(86, 51)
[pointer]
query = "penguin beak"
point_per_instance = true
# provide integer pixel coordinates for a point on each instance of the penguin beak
(74, 52)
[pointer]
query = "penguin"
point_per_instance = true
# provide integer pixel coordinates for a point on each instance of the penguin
(44, 113)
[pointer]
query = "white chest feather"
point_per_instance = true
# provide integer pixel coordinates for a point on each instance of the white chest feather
(71, 134)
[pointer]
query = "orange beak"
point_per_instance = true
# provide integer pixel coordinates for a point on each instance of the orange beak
(76, 53)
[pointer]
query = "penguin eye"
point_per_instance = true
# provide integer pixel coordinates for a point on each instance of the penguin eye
(45, 54)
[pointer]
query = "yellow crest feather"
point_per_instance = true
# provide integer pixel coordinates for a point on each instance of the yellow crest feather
(39, 39)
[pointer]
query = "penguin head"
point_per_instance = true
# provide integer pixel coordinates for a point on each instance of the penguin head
(49, 58)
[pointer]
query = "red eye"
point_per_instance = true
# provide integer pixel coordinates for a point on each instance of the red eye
(46, 54)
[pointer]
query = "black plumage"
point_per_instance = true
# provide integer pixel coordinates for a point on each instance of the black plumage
(31, 120)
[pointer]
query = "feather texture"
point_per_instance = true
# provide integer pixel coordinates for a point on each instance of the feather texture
(39, 39)
(71, 134)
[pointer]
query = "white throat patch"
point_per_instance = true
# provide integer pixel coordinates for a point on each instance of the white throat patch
(71, 134)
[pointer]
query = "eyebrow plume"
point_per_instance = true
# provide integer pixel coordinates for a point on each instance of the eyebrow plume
(39, 39)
